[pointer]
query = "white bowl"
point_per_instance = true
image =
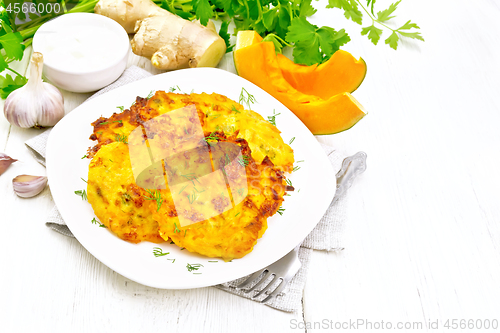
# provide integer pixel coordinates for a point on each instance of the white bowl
(83, 52)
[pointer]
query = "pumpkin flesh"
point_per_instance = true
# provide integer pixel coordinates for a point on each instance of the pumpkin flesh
(258, 64)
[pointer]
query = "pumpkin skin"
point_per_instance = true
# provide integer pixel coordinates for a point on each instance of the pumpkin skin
(341, 73)
(258, 64)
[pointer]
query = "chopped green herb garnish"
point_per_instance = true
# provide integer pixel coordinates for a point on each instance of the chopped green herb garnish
(83, 180)
(291, 141)
(176, 229)
(211, 138)
(82, 194)
(295, 168)
(192, 197)
(212, 261)
(118, 121)
(121, 108)
(104, 123)
(281, 211)
(84, 156)
(94, 221)
(289, 182)
(182, 189)
(272, 119)
(173, 260)
(158, 252)
(185, 230)
(193, 267)
(151, 93)
(191, 177)
(121, 138)
(246, 97)
(233, 108)
(237, 214)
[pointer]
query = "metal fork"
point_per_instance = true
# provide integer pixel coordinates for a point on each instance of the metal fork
(286, 268)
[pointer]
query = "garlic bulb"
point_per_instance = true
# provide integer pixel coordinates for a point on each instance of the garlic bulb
(37, 104)
(5, 162)
(28, 186)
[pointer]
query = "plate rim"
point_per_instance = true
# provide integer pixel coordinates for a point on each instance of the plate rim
(51, 155)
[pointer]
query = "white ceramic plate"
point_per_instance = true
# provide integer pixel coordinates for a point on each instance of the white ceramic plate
(314, 186)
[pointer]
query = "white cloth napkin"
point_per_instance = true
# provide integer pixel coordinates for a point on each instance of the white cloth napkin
(326, 236)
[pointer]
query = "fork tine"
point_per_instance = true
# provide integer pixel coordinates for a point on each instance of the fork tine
(251, 278)
(264, 278)
(267, 287)
(276, 291)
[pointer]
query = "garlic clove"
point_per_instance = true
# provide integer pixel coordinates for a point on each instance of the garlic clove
(5, 162)
(27, 186)
(36, 104)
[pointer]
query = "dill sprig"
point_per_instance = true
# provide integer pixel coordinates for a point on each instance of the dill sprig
(193, 267)
(155, 195)
(293, 139)
(243, 160)
(176, 229)
(151, 93)
(94, 221)
(212, 138)
(158, 252)
(272, 119)
(233, 108)
(289, 182)
(246, 97)
(121, 108)
(281, 211)
(191, 177)
(82, 194)
(192, 197)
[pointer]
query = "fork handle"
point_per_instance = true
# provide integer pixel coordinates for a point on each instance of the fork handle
(352, 166)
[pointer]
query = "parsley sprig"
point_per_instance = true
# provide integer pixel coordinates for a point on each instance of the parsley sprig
(285, 23)
(193, 267)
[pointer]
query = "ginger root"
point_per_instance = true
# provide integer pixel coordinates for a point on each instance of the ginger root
(169, 40)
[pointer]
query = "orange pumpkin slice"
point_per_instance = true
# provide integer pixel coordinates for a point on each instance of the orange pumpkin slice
(258, 64)
(341, 73)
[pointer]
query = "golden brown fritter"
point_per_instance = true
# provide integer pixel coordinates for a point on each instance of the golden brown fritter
(215, 112)
(117, 201)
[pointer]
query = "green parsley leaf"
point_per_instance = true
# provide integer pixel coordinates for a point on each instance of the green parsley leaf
(385, 15)
(203, 10)
(373, 32)
(393, 40)
(223, 32)
(12, 44)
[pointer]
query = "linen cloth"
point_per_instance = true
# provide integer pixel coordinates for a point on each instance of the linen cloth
(327, 235)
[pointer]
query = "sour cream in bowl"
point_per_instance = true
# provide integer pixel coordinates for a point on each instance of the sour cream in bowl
(82, 52)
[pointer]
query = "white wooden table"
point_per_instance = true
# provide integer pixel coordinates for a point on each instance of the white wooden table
(423, 236)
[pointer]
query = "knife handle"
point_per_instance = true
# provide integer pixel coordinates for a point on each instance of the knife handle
(352, 166)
